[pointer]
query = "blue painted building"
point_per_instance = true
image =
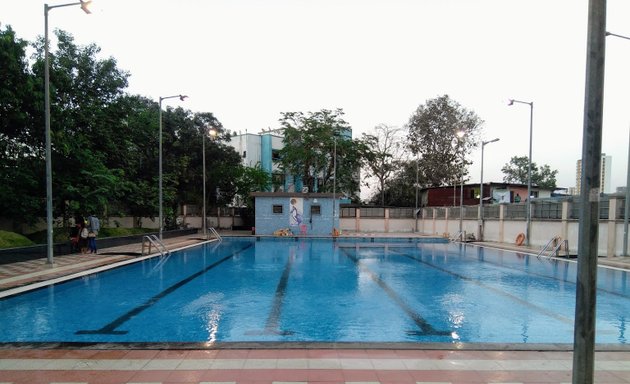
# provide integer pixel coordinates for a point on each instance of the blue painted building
(301, 213)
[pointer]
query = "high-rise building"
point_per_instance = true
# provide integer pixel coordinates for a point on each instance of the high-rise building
(605, 172)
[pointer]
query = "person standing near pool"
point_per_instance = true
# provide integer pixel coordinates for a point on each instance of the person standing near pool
(94, 225)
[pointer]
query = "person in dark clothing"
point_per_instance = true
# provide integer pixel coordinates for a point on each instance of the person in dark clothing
(94, 225)
(74, 238)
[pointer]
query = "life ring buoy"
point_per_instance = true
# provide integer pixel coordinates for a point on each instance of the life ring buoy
(520, 238)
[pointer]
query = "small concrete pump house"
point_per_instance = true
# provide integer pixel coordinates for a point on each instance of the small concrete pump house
(296, 213)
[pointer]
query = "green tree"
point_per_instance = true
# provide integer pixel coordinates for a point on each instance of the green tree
(222, 162)
(516, 172)
(85, 132)
(400, 190)
(104, 141)
(137, 155)
(385, 149)
(250, 179)
(21, 134)
(441, 134)
(311, 142)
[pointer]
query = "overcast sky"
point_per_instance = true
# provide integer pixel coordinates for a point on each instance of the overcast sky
(249, 60)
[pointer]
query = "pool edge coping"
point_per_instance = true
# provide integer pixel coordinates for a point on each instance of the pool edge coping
(304, 345)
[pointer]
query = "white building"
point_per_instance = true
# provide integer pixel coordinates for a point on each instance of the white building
(263, 149)
(605, 172)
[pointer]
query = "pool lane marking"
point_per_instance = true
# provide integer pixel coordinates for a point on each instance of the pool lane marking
(425, 327)
(493, 289)
(273, 321)
(110, 329)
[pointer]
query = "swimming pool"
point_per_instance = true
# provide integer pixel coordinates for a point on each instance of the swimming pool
(318, 290)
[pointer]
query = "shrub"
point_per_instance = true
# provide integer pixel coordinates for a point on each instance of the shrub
(12, 240)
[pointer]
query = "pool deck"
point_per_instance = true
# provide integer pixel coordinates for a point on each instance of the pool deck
(355, 363)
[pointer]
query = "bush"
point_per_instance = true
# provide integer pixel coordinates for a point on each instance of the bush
(118, 231)
(62, 235)
(12, 240)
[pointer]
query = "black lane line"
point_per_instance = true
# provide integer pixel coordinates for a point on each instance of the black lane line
(273, 321)
(425, 327)
(495, 290)
(110, 329)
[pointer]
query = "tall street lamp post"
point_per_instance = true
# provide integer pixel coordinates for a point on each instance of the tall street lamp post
(528, 214)
(460, 135)
(181, 97)
(212, 132)
(417, 186)
(483, 144)
(627, 202)
(334, 183)
(49, 209)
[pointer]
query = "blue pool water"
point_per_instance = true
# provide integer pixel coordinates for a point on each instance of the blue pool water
(248, 290)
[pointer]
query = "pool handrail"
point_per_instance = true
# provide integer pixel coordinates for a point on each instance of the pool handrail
(157, 243)
(554, 245)
(216, 234)
(458, 236)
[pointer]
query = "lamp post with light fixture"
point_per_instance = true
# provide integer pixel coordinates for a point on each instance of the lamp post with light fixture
(49, 209)
(213, 133)
(528, 214)
(483, 144)
(334, 183)
(460, 136)
(620, 36)
(181, 97)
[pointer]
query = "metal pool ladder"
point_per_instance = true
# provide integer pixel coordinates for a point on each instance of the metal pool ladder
(459, 236)
(553, 246)
(153, 240)
(215, 233)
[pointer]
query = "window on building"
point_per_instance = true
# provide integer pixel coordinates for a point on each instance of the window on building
(316, 210)
(277, 208)
(275, 154)
(244, 154)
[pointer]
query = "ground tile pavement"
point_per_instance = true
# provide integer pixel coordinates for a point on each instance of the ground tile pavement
(264, 366)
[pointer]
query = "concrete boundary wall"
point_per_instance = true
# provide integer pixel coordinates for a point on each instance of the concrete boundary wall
(436, 222)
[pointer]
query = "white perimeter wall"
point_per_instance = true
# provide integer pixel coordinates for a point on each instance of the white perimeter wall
(610, 240)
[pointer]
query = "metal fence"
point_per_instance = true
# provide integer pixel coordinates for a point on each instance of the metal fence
(349, 212)
(399, 213)
(515, 211)
(440, 212)
(372, 212)
(491, 211)
(547, 210)
(604, 208)
(544, 209)
(471, 212)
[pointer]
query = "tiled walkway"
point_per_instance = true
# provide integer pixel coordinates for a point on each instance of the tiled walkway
(28, 272)
(301, 366)
(19, 365)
